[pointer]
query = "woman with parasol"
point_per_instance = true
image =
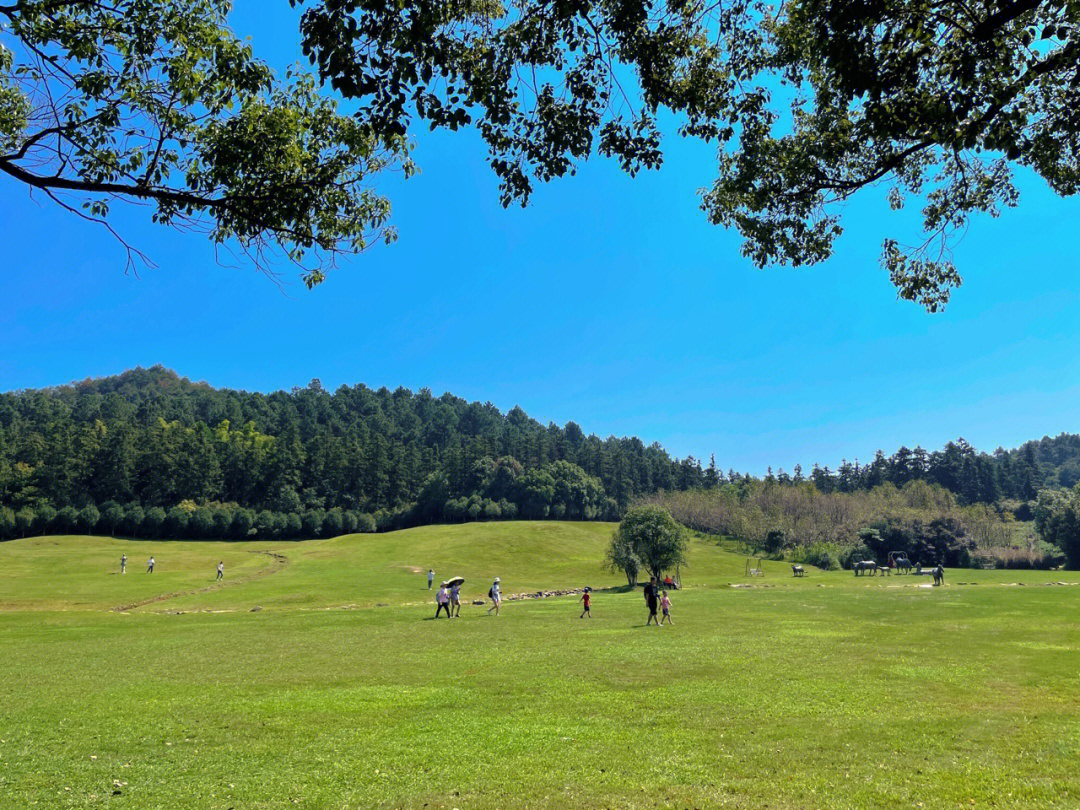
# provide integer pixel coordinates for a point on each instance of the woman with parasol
(455, 584)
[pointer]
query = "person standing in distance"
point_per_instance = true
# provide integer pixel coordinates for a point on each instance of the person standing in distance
(150, 566)
(220, 571)
(430, 577)
(651, 599)
(123, 563)
(496, 597)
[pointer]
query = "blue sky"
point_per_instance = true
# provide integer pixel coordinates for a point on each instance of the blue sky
(609, 301)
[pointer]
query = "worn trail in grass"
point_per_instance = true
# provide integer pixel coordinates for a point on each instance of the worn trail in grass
(823, 692)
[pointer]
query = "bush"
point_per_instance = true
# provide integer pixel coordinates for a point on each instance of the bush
(293, 525)
(775, 541)
(46, 519)
(111, 517)
(87, 519)
(312, 522)
(1042, 558)
(860, 552)
(348, 522)
(132, 521)
(242, 523)
(825, 556)
(223, 518)
(827, 561)
(67, 519)
(333, 524)
(176, 522)
(24, 521)
(7, 523)
(201, 523)
(365, 523)
(153, 520)
(264, 524)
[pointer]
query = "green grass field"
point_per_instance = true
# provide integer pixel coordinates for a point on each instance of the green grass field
(169, 691)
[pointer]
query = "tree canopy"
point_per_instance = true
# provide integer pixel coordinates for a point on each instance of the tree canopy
(648, 537)
(157, 102)
(809, 102)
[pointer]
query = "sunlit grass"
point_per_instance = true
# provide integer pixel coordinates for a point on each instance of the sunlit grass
(829, 691)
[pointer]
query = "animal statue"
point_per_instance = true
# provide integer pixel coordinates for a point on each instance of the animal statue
(884, 570)
(903, 564)
(937, 572)
(862, 566)
(796, 570)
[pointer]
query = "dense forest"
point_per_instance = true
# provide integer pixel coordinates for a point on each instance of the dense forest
(151, 453)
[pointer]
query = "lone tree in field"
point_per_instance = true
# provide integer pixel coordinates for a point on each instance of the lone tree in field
(155, 102)
(648, 538)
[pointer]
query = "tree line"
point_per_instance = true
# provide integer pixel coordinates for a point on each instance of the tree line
(150, 453)
(830, 529)
(973, 476)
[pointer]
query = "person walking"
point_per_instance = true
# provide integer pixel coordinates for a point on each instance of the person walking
(123, 563)
(652, 600)
(496, 597)
(586, 598)
(665, 606)
(430, 577)
(220, 571)
(442, 601)
(150, 566)
(455, 601)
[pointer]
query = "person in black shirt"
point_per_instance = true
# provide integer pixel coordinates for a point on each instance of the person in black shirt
(651, 599)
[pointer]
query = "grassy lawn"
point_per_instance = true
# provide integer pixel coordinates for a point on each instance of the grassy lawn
(828, 691)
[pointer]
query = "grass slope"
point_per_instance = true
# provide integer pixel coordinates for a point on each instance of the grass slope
(825, 692)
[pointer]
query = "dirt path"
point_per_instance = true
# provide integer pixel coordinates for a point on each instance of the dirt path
(280, 562)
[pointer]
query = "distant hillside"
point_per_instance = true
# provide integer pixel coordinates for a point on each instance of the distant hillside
(973, 476)
(149, 442)
(153, 454)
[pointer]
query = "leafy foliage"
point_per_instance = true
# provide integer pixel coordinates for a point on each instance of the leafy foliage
(155, 101)
(1057, 517)
(648, 537)
(149, 440)
(811, 102)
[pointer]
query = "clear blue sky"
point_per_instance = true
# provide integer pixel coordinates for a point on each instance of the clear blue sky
(609, 301)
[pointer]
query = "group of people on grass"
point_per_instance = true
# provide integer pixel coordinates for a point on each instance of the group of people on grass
(448, 599)
(449, 596)
(150, 567)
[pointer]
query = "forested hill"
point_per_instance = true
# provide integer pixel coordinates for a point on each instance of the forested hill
(151, 439)
(151, 453)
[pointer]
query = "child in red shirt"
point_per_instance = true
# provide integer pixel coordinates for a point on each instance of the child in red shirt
(586, 597)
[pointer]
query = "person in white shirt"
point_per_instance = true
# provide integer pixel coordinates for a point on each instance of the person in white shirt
(496, 597)
(430, 577)
(123, 563)
(220, 571)
(442, 601)
(150, 566)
